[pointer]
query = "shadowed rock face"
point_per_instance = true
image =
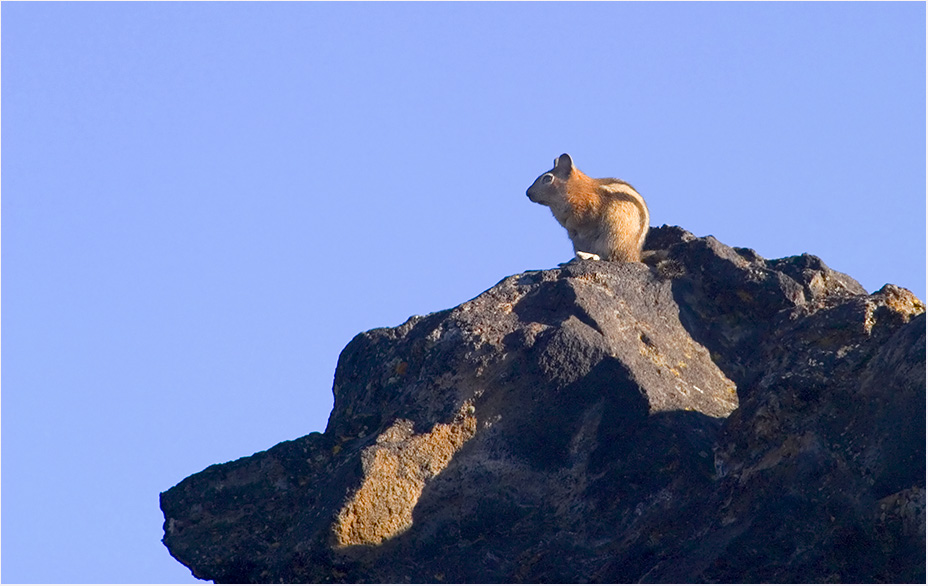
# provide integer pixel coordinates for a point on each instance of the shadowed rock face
(583, 424)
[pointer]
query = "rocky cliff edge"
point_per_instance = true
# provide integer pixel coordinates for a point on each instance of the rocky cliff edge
(711, 416)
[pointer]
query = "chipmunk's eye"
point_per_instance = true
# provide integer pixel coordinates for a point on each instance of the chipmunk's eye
(547, 178)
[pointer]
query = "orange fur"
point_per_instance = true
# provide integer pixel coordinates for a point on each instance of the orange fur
(604, 217)
(583, 194)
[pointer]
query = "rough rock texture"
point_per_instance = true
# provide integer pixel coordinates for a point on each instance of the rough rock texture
(583, 424)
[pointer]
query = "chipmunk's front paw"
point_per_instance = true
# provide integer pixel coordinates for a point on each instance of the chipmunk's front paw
(587, 256)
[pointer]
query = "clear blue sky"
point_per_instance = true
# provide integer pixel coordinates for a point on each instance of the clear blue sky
(203, 203)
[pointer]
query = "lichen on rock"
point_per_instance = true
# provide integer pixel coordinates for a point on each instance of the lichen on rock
(396, 469)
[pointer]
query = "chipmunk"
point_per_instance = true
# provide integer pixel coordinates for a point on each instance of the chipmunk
(605, 218)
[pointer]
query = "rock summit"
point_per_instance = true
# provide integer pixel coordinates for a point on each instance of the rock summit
(709, 416)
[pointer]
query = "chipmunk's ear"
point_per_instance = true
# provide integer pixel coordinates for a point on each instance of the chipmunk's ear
(563, 165)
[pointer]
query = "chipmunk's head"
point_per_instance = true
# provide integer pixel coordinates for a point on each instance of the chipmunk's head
(550, 187)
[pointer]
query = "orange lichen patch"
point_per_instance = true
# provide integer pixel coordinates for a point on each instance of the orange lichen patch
(901, 300)
(396, 469)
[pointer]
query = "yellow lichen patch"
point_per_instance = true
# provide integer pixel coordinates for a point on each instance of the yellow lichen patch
(648, 349)
(899, 300)
(597, 279)
(396, 469)
(744, 296)
(902, 300)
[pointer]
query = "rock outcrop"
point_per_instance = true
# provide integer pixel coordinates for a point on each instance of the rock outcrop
(710, 417)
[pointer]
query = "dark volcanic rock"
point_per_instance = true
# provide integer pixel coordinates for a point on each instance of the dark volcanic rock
(583, 424)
